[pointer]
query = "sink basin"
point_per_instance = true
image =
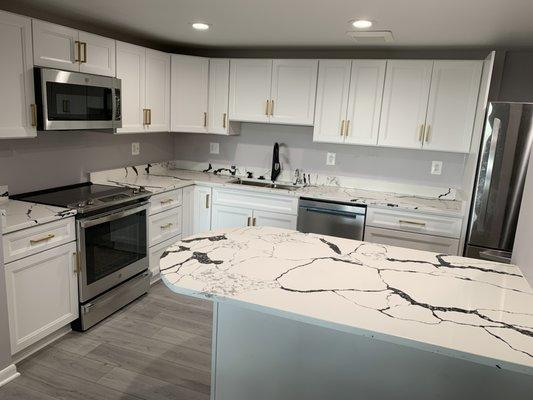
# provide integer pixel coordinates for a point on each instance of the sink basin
(265, 184)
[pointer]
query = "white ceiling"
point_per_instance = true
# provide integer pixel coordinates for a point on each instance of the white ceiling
(302, 23)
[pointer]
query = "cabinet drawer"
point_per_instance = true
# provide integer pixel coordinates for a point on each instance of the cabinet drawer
(414, 222)
(417, 241)
(33, 240)
(256, 201)
(155, 255)
(165, 201)
(164, 225)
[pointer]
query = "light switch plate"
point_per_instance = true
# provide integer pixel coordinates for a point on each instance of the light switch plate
(214, 148)
(330, 158)
(135, 149)
(436, 167)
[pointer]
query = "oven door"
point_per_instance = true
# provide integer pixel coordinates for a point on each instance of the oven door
(71, 100)
(113, 247)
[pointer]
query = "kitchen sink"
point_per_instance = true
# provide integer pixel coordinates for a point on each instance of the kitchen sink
(265, 184)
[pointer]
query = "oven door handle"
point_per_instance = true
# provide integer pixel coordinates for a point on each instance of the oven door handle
(111, 217)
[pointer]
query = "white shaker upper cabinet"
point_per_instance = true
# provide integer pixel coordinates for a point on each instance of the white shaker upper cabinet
(131, 69)
(293, 91)
(405, 99)
(218, 121)
(97, 54)
(55, 46)
(452, 105)
(249, 93)
(189, 90)
(17, 108)
(364, 104)
(331, 100)
(157, 91)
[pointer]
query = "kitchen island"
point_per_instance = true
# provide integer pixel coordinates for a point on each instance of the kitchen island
(310, 316)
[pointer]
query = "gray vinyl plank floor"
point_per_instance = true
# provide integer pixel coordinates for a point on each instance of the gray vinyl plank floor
(158, 347)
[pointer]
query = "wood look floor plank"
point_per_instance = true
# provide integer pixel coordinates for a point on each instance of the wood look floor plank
(13, 391)
(184, 338)
(77, 343)
(147, 387)
(175, 321)
(184, 310)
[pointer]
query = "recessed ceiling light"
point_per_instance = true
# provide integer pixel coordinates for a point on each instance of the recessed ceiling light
(200, 26)
(361, 23)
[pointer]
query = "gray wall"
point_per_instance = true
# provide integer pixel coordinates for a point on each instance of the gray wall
(253, 148)
(516, 78)
(56, 159)
(5, 346)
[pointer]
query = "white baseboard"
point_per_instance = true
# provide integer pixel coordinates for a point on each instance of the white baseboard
(8, 374)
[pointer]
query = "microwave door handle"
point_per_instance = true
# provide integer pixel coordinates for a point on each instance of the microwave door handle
(111, 217)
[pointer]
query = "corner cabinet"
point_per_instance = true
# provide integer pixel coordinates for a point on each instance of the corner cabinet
(60, 47)
(18, 117)
(42, 294)
(273, 91)
(348, 101)
(430, 104)
(145, 76)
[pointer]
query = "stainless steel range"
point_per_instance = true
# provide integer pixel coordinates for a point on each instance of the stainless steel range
(112, 241)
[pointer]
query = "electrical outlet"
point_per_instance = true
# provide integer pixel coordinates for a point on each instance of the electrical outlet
(436, 167)
(330, 158)
(214, 148)
(135, 149)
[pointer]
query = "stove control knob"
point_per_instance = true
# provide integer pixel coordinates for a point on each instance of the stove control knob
(90, 202)
(81, 204)
(142, 189)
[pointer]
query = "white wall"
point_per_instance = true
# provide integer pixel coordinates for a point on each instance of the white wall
(253, 148)
(523, 246)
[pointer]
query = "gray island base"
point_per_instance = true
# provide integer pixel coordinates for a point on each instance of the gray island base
(300, 316)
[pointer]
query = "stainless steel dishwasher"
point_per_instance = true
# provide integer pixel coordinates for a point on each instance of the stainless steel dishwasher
(331, 218)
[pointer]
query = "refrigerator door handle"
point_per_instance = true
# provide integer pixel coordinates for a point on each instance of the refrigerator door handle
(496, 255)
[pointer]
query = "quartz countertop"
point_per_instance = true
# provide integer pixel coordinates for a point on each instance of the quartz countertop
(17, 215)
(471, 309)
(163, 180)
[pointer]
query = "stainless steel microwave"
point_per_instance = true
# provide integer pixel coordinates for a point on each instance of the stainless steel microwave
(72, 100)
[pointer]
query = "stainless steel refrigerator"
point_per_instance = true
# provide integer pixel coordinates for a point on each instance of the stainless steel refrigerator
(504, 156)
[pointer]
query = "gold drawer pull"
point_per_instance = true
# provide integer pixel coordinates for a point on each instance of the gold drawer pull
(207, 201)
(166, 226)
(267, 107)
(224, 120)
(78, 47)
(249, 223)
(343, 123)
(33, 109)
(205, 119)
(404, 221)
(272, 107)
(43, 239)
(253, 221)
(166, 201)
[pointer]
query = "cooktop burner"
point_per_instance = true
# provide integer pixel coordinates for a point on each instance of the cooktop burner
(85, 197)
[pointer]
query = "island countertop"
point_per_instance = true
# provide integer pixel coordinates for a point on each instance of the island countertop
(470, 309)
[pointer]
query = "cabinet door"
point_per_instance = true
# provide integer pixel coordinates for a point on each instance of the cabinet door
(218, 96)
(154, 257)
(202, 209)
(231, 217)
(189, 86)
(364, 104)
(158, 90)
(405, 99)
(98, 54)
(452, 105)
(42, 294)
(293, 91)
(249, 90)
(17, 108)
(409, 240)
(331, 100)
(55, 46)
(187, 224)
(276, 220)
(131, 62)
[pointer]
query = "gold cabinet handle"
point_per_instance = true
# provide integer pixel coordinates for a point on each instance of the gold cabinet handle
(149, 116)
(77, 58)
(249, 223)
(267, 108)
(43, 239)
(77, 262)
(253, 221)
(145, 116)
(342, 127)
(271, 107)
(346, 127)
(405, 221)
(224, 120)
(166, 226)
(426, 136)
(166, 201)
(421, 133)
(33, 109)
(205, 119)
(84, 44)
(207, 196)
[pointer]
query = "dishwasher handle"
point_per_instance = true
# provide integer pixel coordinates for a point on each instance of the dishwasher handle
(334, 212)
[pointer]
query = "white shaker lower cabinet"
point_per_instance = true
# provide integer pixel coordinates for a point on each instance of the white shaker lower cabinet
(42, 294)
(155, 254)
(17, 110)
(276, 220)
(230, 217)
(410, 240)
(202, 209)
